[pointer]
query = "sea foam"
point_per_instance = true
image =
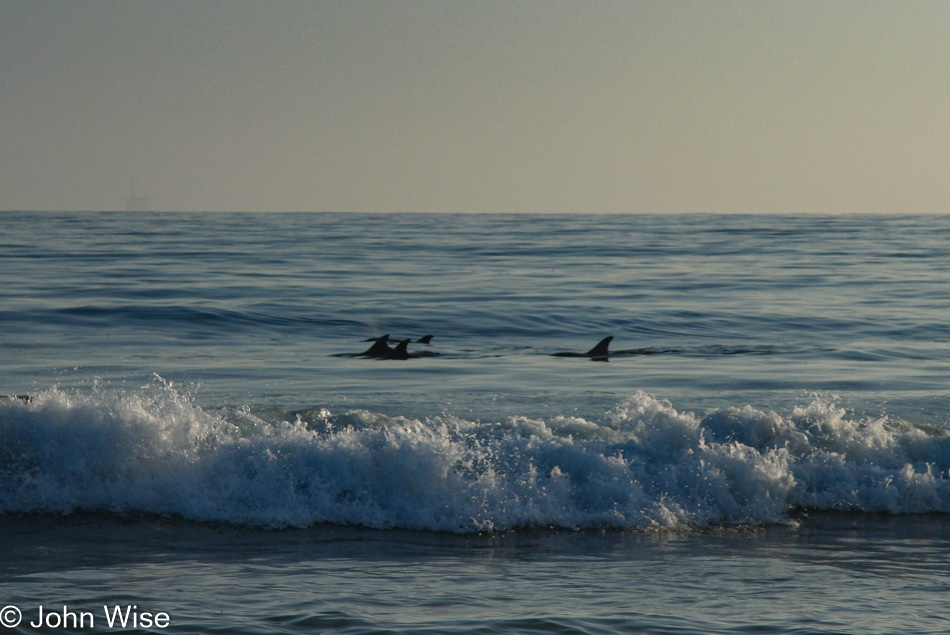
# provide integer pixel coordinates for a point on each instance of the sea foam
(644, 464)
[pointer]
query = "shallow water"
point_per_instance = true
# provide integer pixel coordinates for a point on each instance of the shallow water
(831, 574)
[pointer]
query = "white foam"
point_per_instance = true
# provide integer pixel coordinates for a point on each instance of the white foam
(645, 464)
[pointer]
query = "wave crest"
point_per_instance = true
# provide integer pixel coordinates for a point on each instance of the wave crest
(644, 465)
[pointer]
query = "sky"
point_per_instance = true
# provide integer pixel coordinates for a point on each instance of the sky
(465, 106)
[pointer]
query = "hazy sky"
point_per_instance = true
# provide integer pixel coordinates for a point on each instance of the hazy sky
(476, 106)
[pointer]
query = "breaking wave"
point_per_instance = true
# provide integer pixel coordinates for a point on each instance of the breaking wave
(644, 464)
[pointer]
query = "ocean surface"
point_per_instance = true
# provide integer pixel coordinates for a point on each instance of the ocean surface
(190, 441)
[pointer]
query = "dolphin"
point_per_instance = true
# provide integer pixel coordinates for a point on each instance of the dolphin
(425, 339)
(400, 351)
(599, 352)
(379, 349)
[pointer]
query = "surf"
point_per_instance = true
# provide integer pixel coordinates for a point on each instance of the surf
(643, 464)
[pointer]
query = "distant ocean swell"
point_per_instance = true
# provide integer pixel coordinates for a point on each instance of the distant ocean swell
(643, 465)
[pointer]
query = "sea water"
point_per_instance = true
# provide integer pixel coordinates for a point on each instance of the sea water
(767, 451)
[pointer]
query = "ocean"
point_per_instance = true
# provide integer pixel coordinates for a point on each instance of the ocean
(191, 442)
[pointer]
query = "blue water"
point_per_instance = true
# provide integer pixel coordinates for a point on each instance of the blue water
(767, 451)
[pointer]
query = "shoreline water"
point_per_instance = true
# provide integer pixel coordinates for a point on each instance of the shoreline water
(832, 572)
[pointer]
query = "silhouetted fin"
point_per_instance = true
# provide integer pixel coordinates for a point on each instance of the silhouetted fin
(400, 352)
(425, 339)
(599, 352)
(379, 349)
(601, 349)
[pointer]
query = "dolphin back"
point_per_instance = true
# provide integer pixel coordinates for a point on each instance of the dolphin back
(600, 350)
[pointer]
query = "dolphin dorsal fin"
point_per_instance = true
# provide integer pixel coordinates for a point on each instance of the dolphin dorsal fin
(425, 339)
(601, 349)
(400, 351)
(379, 347)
